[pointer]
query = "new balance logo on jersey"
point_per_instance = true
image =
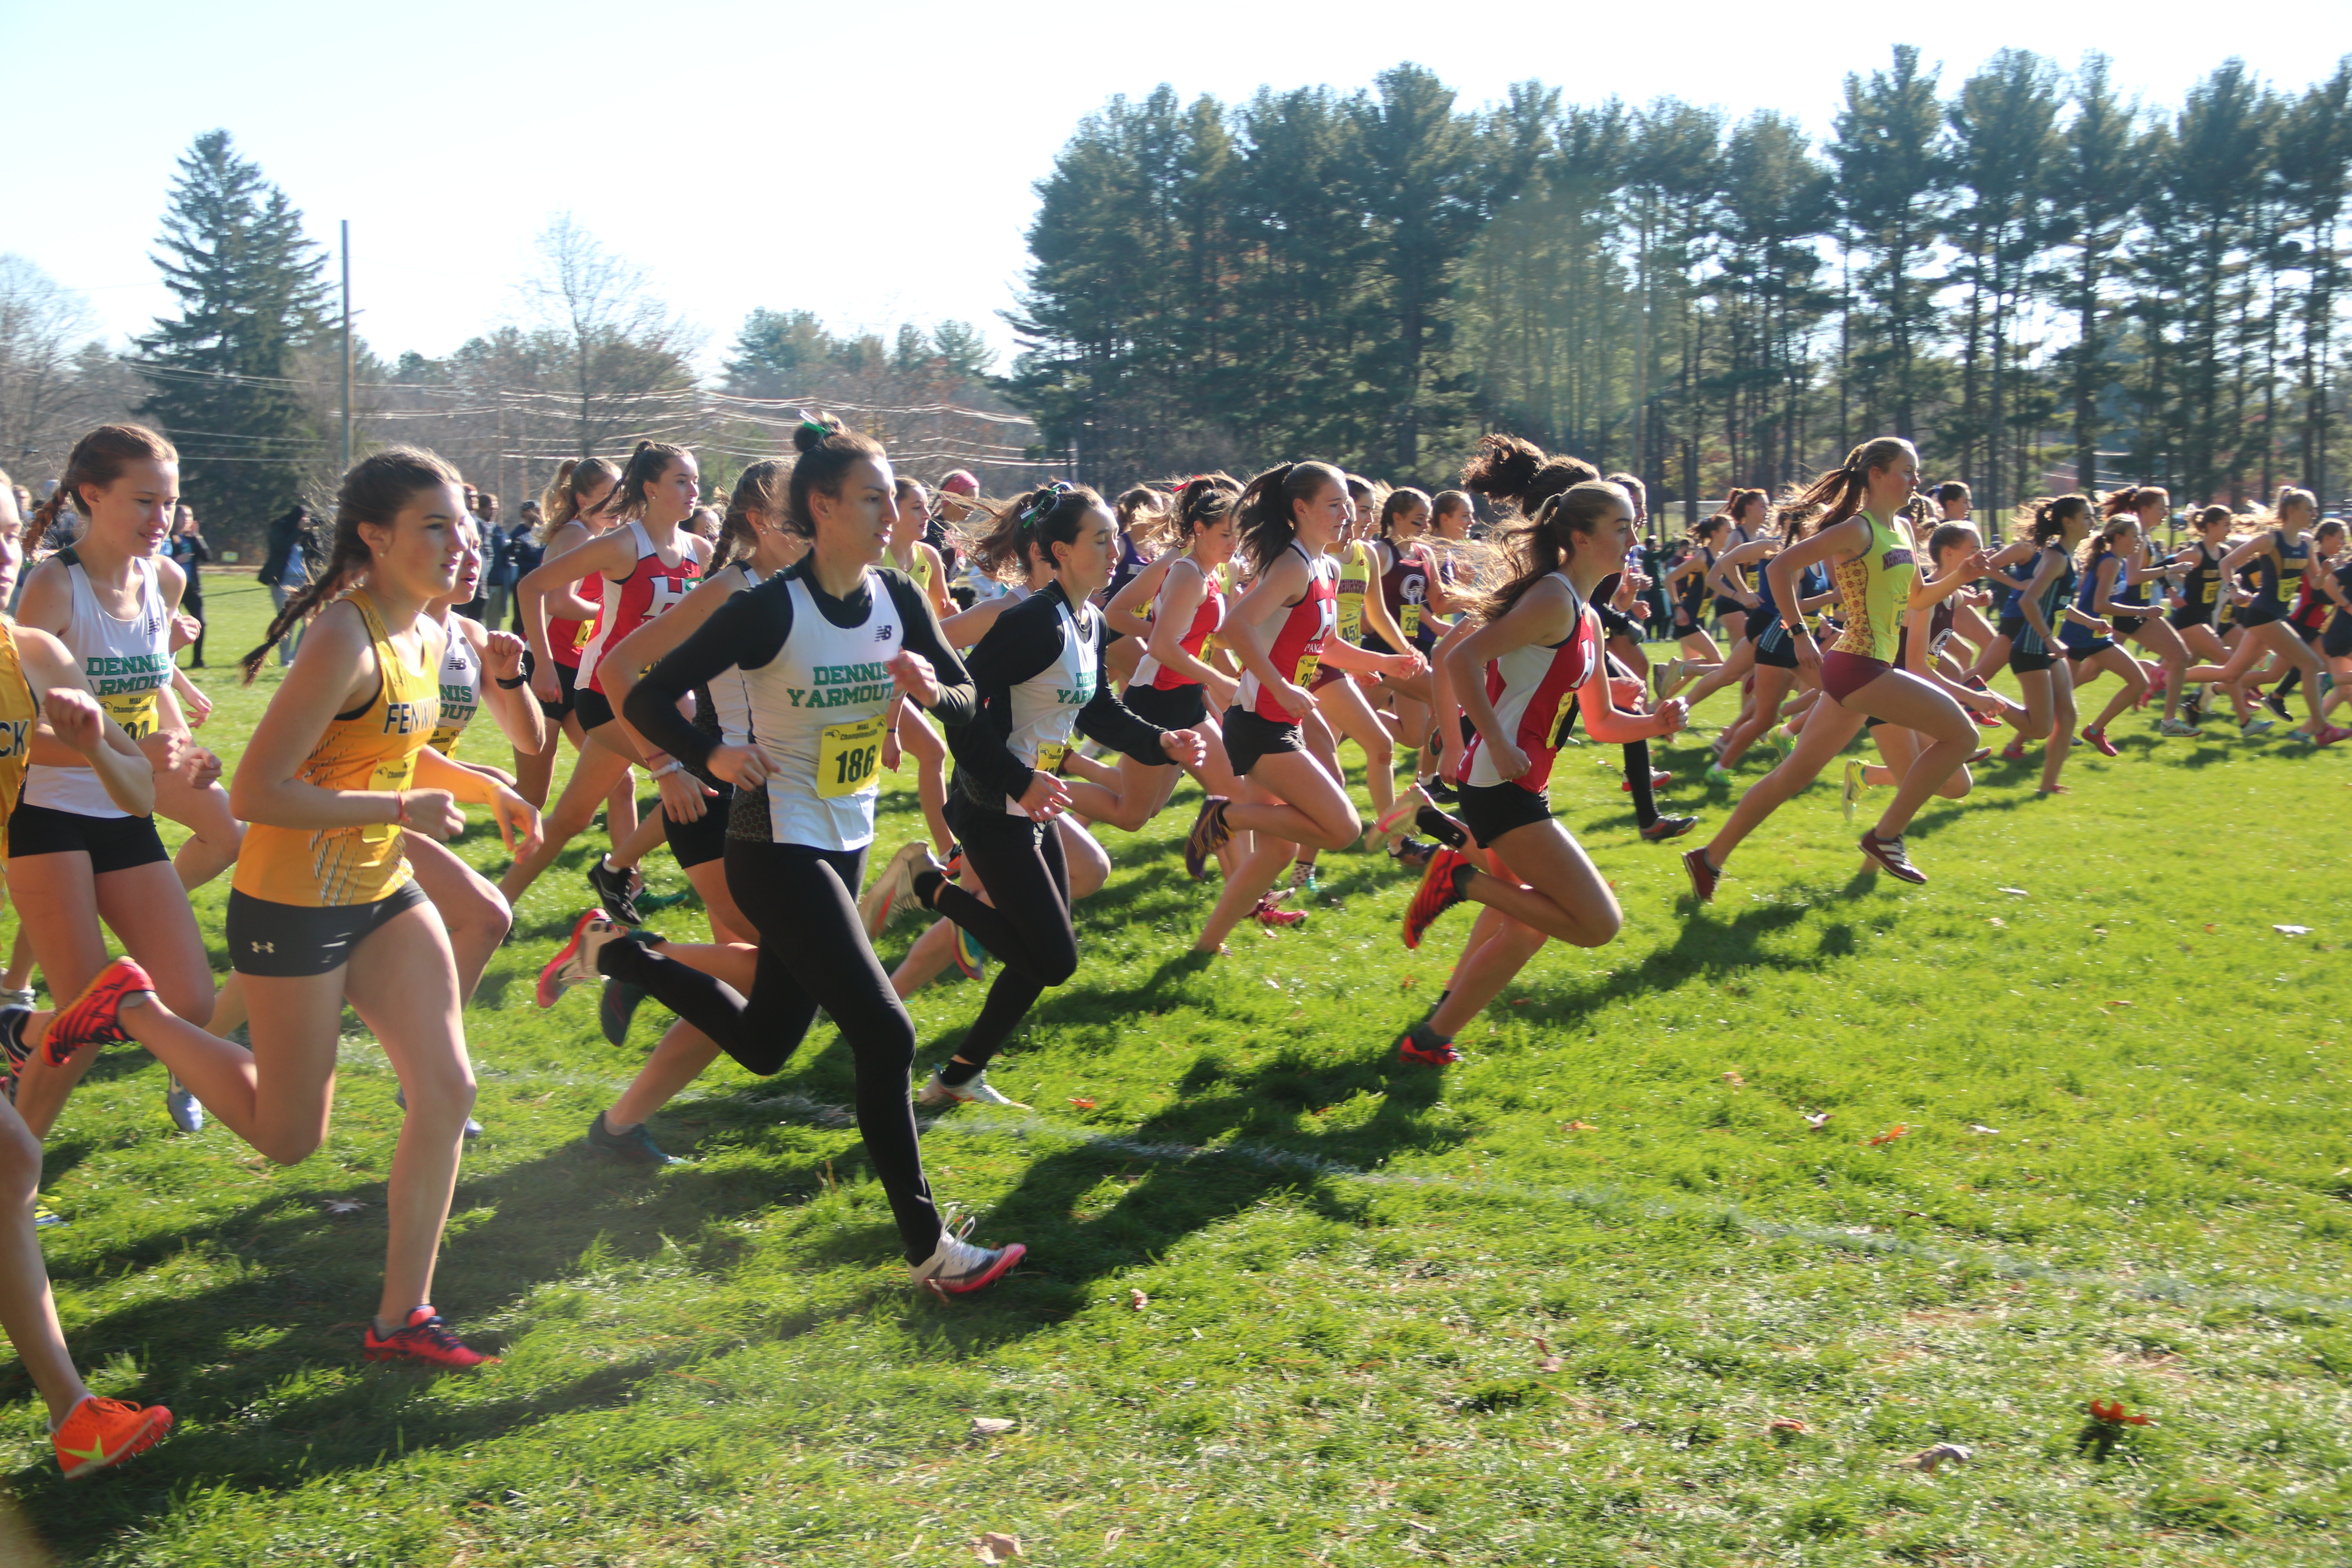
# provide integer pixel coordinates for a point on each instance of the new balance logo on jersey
(884, 634)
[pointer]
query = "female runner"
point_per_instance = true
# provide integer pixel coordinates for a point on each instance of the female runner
(1289, 517)
(77, 858)
(1768, 652)
(576, 507)
(2309, 616)
(2036, 655)
(1535, 662)
(1865, 537)
(2196, 618)
(2148, 505)
(2281, 554)
(909, 730)
(2104, 562)
(1750, 512)
(44, 704)
(323, 910)
(1686, 587)
(823, 649)
(1038, 675)
(648, 563)
(1952, 547)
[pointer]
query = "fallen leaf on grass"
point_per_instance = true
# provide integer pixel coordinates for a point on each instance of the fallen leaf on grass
(1788, 1426)
(995, 1548)
(991, 1426)
(1734, 1080)
(1981, 1127)
(2012, 892)
(2119, 1002)
(1550, 1364)
(343, 1205)
(2292, 931)
(1997, 921)
(1409, 981)
(1082, 1104)
(1817, 1119)
(1136, 1300)
(1890, 1135)
(2212, 927)
(1578, 1127)
(1927, 1459)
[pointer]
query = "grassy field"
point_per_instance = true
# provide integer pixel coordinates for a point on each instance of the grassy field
(1602, 1295)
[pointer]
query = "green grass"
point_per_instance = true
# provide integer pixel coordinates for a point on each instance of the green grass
(1287, 1305)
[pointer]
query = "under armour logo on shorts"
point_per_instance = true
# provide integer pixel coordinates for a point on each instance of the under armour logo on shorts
(270, 947)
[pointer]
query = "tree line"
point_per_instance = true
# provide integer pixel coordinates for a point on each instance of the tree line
(2038, 281)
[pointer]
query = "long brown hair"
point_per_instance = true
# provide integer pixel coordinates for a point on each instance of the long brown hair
(762, 488)
(1512, 470)
(1267, 508)
(1842, 490)
(1031, 524)
(98, 459)
(1204, 500)
(645, 467)
(576, 479)
(1538, 548)
(374, 491)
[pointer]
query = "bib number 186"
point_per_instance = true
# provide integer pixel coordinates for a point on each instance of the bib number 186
(847, 754)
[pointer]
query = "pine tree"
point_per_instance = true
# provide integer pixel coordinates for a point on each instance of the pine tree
(252, 294)
(2096, 183)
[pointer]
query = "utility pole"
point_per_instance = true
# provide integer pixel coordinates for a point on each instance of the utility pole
(347, 345)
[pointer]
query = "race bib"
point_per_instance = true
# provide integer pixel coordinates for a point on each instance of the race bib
(397, 774)
(1351, 618)
(1050, 754)
(847, 756)
(1562, 719)
(582, 631)
(1409, 621)
(1307, 669)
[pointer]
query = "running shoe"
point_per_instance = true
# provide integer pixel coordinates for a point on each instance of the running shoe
(1987, 721)
(1440, 891)
(2246, 732)
(1445, 830)
(2098, 740)
(2330, 734)
(2014, 752)
(1423, 1047)
(1703, 875)
(616, 889)
(575, 962)
(2179, 731)
(1659, 779)
(894, 889)
(958, 1268)
(1665, 676)
(953, 865)
(94, 1017)
(616, 1004)
(1304, 879)
(634, 1147)
(423, 1341)
(1979, 755)
(99, 1433)
(2276, 704)
(24, 998)
(12, 1037)
(1440, 790)
(1717, 774)
(1853, 790)
(1272, 915)
(973, 1091)
(1207, 836)
(970, 958)
(186, 1112)
(1409, 803)
(655, 903)
(400, 1098)
(1667, 827)
(1887, 855)
(1410, 852)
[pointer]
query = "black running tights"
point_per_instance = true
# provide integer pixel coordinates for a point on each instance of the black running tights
(1637, 773)
(1028, 930)
(813, 954)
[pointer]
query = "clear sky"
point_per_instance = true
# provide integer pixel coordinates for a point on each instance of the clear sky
(872, 163)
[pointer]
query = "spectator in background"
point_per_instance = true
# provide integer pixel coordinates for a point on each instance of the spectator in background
(286, 567)
(187, 547)
(497, 569)
(524, 553)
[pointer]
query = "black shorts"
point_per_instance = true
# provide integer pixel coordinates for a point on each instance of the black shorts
(1249, 737)
(278, 939)
(1489, 811)
(593, 709)
(1777, 646)
(1723, 607)
(2023, 663)
(2008, 627)
(565, 676)
(1170, 707)
(2187, 615)
(703, 840)
(1616, 624)
(112, 843)
(2091, 649)
(2336, 642)
(2260, 614)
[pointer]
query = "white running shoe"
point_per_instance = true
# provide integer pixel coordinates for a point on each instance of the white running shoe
(575, 962)
(974, 1091)
(1665, 676)
(893, 890)
(186, 1112)
(957, 1267)
(24, 999)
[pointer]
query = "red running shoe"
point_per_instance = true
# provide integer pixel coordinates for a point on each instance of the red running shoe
(94, 1017)
(1440, 891)
(1887, 855)
(1207, 836)
(1703, 875)
(1425, 1046)
(2014, 752)
(99, 1433)
(1659, 779)
(2098, 740)
(1271, 913)
(424, 1340)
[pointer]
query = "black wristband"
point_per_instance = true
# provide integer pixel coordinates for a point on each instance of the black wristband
(506, 685)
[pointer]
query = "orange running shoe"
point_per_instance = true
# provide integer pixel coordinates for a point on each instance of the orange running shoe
(94, 1017)
(1440, 891)
(424, 1340)
(99, 1433)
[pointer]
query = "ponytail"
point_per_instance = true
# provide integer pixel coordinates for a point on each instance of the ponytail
(1203, 500)
(1266, 511)
(1514, 471)
(1032, 524)
(1842, 490)
(1539, 547)
(644, 467)
(2050, 514)
(98, 459)
(828, 450)
(576, 479)
(374, 491)
(1398, 502)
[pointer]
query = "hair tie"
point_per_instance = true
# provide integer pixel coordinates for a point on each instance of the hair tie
(1047, 497)
(819, 425)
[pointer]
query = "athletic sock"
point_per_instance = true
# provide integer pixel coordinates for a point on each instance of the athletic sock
(636, 937)
(1637, 773)
(927, 886)
(956, 1074)
(2293, 679)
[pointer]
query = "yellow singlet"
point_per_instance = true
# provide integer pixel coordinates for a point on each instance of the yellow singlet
(373, 748)
(1874, 588)
(19, 715)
